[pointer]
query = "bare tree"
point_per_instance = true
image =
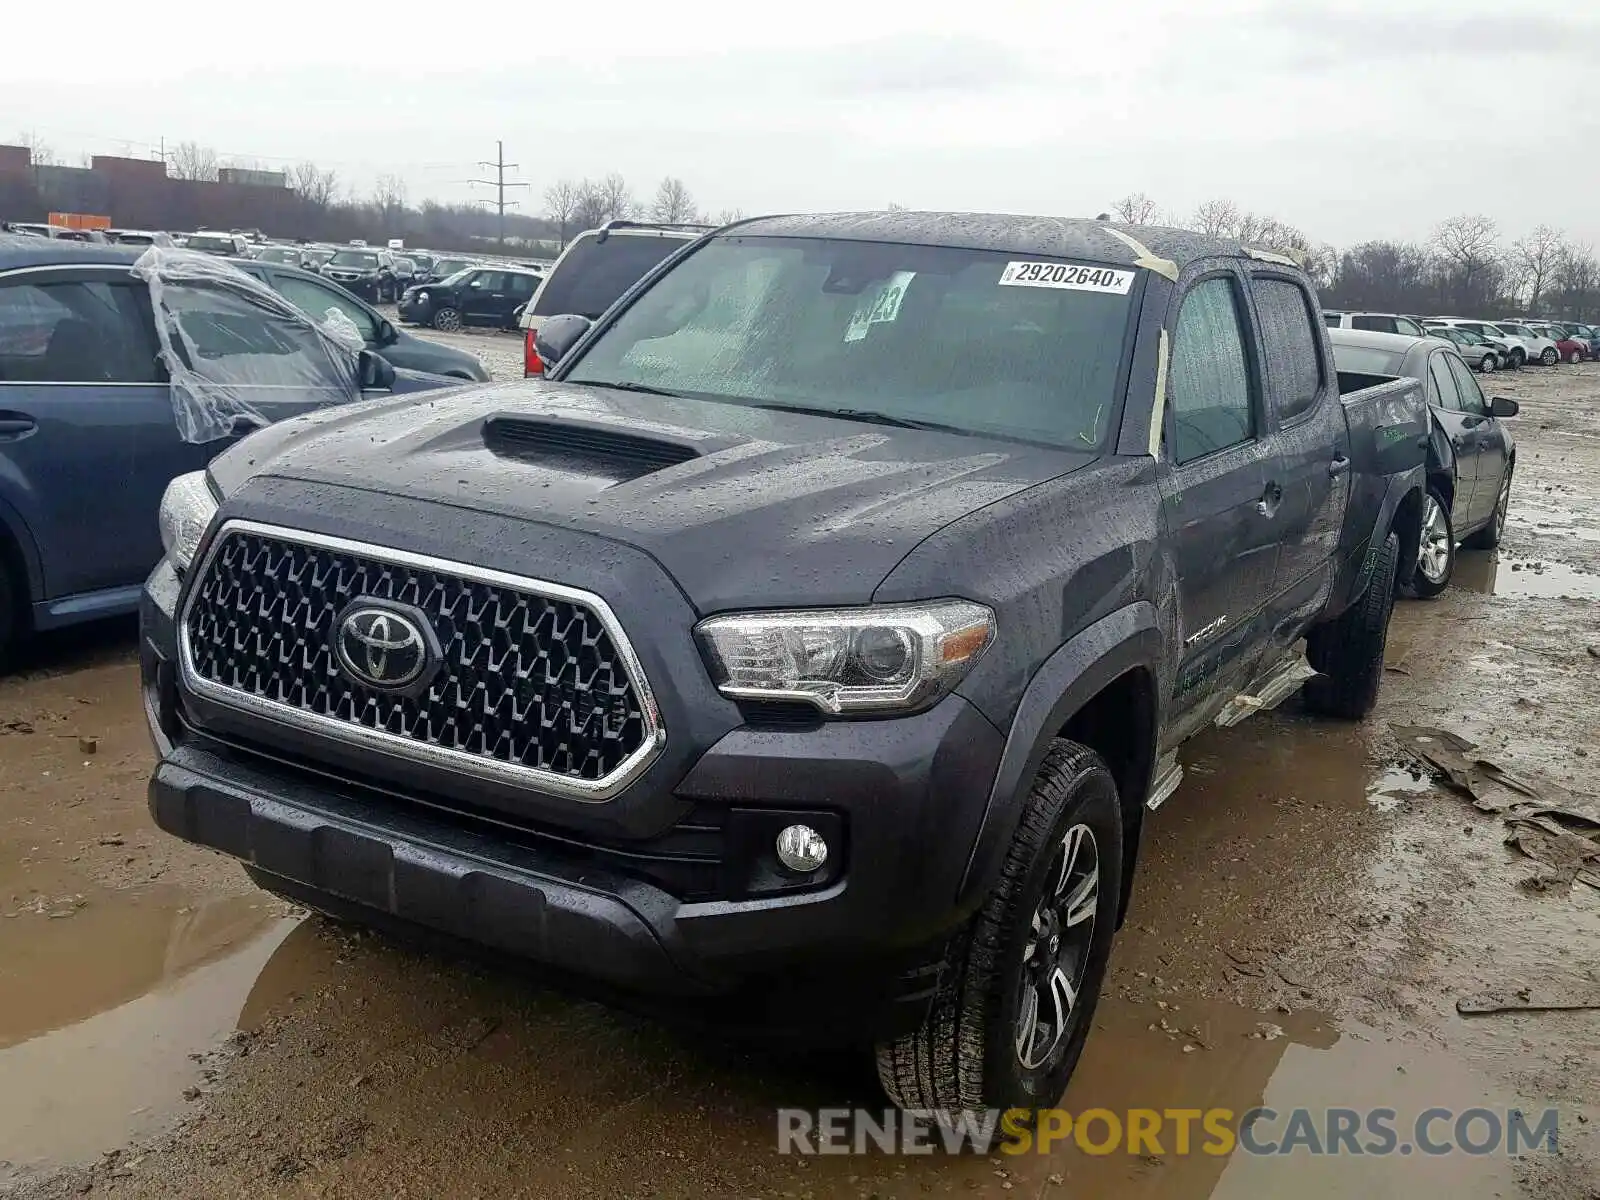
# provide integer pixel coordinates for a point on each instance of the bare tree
(673, 203)
(317, 187)
(728, 216)
(1216, 218)
(39, 153)
(1578, 279)
(389, 194)
(895, 206)
(1135, 209)
(1468, 252)
(616, 196)
(1536, 259)
(600, 201)
(191, 160)
(561, 205)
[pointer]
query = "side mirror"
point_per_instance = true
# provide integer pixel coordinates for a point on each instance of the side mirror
(375, 373)
(386, 334)
(1502, 407)
(476, 283)
(558, 335)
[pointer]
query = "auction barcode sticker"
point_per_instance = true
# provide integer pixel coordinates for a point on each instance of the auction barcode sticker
(1065, 275)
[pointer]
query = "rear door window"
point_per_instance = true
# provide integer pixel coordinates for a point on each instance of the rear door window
(1290, 345)
(1375, 324)
(74, 332)
(592, 274)
(1212, 407)
(1444, 384)
(1472, 400)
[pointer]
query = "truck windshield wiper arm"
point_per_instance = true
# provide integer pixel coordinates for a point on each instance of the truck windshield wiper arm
(870, 416)
(642, 388)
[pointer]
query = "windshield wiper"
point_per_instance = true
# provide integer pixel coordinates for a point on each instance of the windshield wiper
(870, 416)
(642, 388)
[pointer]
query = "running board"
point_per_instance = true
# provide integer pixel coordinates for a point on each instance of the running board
(1168, 776)
(1270, 691)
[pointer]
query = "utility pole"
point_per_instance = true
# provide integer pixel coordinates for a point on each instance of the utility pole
(499, 184)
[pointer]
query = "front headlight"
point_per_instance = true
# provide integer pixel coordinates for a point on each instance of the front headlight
(883, 658)
(187, 507)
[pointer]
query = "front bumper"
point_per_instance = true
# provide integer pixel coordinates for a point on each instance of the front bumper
(900, 800)
(412, 309)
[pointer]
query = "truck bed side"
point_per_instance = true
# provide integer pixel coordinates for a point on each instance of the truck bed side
(1388, 422)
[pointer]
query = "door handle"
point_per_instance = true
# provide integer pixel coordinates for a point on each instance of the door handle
(17, 425)
(1270, 499)
(1338, 466)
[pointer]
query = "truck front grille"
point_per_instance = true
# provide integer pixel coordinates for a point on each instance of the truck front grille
(535, 683)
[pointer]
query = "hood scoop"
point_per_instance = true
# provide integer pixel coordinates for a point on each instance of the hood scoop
(584, 448)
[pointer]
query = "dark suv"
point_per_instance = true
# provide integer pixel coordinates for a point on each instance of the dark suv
(487, 295)
(367, 272)
(596, 267)
(812, 644)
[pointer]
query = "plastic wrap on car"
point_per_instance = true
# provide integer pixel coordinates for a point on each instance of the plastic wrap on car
(218, 374)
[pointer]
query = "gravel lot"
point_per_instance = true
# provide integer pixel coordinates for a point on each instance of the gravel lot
(166, 1030)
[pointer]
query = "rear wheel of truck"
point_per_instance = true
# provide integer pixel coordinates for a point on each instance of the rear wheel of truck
(1436, 558)
(1014, 1006)
(1348, 651)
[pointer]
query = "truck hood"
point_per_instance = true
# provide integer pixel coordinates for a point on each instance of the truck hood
(744, 507)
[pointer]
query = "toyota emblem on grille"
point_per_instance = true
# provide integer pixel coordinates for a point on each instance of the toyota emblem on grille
(383, 647)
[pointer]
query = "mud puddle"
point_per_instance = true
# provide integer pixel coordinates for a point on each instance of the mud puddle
(104, 998)
(1524, 577)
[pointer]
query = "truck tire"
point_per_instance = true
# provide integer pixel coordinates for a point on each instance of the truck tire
(1489, 536)
(1436, 561)
(1017, 995)
(1348, 651)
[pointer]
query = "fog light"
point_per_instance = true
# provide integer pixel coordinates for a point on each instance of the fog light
(801, 848)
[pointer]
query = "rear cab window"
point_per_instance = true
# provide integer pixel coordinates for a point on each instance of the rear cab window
(592, 274)
(984, 342)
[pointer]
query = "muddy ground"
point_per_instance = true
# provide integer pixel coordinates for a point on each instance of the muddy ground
(166, 1030)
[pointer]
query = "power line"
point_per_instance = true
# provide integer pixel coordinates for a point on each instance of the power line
(500, 185)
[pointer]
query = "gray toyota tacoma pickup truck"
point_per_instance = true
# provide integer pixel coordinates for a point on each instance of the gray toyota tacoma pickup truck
(813, 641)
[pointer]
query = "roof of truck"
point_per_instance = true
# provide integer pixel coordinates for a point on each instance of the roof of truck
(1056, 237)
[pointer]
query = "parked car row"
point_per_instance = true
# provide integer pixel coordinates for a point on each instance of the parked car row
(1486, 345)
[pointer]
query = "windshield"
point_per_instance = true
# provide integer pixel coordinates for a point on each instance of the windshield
(455, 277)
(353, 258)
(210, 241)
(592, 273)
(444, 267)
(975, 340)
(278, 254)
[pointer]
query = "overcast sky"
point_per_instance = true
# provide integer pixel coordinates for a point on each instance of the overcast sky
(1351, 120)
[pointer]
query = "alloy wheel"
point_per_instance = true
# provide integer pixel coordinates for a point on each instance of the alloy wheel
(1434, 558)
(1488, 364)
(1056, 954)
(1502, 506)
